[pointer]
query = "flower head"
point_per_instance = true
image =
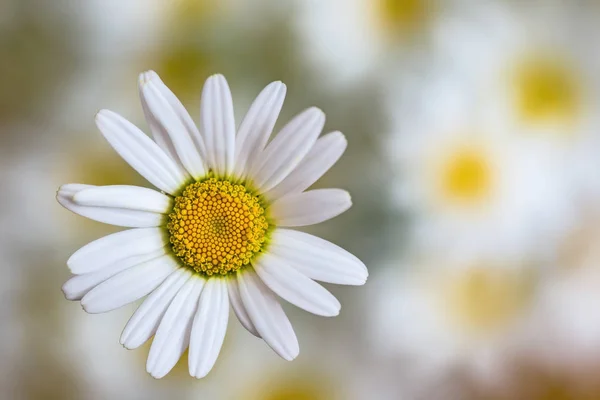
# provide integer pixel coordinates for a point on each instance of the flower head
(216, 233)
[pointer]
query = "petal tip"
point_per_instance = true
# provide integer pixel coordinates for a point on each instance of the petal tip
(147, 76)
(216, 78)
(85, 307)
(316, 111)
(341, 137)
(67, 293)
(155, 375)
(90, 308)
(151, 368)
(198, 374)
(291, 356)
(60, 191)
(279, 85)
(128, 345)
(346, 198)
(102, 114)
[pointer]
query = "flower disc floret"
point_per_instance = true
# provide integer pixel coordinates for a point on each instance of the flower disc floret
(217, 227)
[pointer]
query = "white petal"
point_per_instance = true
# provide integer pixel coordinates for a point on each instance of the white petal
(114, 216)
(209, 328)
(238, 306)
(129, 285)
(178, 108)
(255, 129)
(143, 154)
(326, 151)
(173, 335)
(218, 124)
(124, 196)
(267, 315)
(79, 285)
(103, 252)
(144, 322)
(288, 148)
(173, 125)
(294, 287)
(317, 258)
(309, 208)
(159, 134)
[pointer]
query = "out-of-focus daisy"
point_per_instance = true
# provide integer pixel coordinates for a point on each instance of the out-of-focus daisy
(189, 31)
(303, 384)
(351, 37)
(533, 70)
(338, 375)
(530, 60)
(470, 185)
(216, 233)
(531, 381)
(565, 331)
(457, 314)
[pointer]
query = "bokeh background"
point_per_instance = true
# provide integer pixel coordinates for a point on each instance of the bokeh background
(473, 161)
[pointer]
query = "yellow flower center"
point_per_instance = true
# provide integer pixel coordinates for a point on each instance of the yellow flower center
(403, 15)
(546, 89)
(217, 227)
(466, 176)
(301, 385)
(483, 299)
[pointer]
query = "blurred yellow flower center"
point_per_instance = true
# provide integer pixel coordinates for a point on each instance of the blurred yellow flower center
(301, 386)
(295, 393)
(546, 89)
(217, 227)
(402, 15)
(485, 299)
(466, 176)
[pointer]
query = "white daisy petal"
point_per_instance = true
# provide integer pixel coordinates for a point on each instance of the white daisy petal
(295, 287)
(309, 208)
(79, 285)
(144, 322)
(288, 148)
(129, 285)
(209, 327)
(173, 335)
(317, 258)
(326, 151)
(103, 252)
(159, 134)
(218, 124)
(124, 196)
(114, 216)
(143, 154)
(238, 306)
(267, 315)
(256, 127)
(174, 126)
(158, 131)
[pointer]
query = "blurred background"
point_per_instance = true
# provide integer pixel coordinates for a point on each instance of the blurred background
(473, 161)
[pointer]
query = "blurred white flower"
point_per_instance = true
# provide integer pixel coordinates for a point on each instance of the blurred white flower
(469, 184)
(565, 329)
(534, 72)
(453, 314)
(348, 38)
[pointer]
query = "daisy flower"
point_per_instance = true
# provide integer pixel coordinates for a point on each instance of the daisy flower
(217, 232)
